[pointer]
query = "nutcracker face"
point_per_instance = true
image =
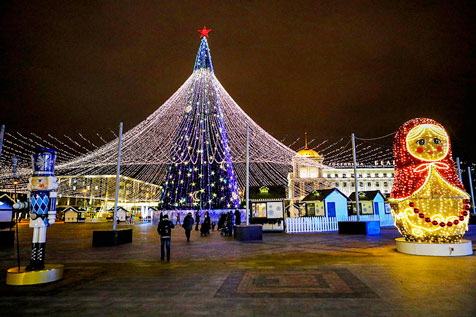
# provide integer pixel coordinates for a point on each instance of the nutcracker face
(43, 183)
(428, 142)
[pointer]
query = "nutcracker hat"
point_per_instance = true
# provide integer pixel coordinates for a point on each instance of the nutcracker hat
(43, 161)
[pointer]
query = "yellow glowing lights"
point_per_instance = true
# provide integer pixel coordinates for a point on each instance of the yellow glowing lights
(428, 201)
(431, 213)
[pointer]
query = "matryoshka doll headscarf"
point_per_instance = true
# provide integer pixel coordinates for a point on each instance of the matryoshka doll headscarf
(412, 164)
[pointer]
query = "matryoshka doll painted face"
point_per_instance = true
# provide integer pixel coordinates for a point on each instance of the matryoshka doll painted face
(428, 142)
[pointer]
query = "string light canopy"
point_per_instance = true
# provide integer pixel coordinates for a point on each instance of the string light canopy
(428, 200)
(199, 125)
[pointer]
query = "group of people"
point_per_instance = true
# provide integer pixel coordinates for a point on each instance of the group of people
(164, 229)
(227, 220)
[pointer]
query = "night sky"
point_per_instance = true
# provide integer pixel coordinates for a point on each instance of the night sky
(328, 68)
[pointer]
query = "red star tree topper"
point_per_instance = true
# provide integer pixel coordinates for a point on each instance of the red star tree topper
(204, 32)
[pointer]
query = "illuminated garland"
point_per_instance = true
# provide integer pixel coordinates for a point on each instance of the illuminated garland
(147, 156)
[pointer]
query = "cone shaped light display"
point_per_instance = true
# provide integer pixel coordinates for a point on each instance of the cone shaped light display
(201, 174)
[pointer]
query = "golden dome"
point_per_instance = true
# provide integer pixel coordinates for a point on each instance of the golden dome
(307, 151)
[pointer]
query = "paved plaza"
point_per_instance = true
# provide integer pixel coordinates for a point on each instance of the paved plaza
(284, 275)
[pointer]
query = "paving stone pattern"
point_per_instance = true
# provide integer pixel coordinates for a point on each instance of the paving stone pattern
(330, 283)
(324, 274)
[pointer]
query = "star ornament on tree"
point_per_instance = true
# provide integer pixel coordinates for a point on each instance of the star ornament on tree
(204, 32)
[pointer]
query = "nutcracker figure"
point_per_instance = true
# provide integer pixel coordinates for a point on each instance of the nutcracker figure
(42, 187)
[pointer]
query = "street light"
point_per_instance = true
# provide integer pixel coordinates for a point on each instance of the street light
(15, 183)
(85, 190)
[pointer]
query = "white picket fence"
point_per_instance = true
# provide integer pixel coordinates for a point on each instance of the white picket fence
(324, 224)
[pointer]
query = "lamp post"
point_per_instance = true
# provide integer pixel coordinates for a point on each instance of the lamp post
(459, 168)
(15, 183)
(119, 148)
(471, 187)
(355, 178)
(84, 197)
(247, 175)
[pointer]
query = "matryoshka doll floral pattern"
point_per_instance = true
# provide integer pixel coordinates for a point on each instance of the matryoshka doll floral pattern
(428, 200)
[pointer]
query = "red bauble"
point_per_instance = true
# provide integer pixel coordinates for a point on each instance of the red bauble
(449, 224)
(421, 215)
(442, 224)
(412, 204)
(434, 222)
(416, 210)
(465, 213)
(427, 219)
(456, 221)
(461, 218)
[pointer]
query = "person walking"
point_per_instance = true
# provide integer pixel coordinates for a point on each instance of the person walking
(197, 220)
(221, 222)
(165, 231)
(188, 225)
(205, 228)
(228, 226)
(177, 221)
(237, 221)
(237, 217)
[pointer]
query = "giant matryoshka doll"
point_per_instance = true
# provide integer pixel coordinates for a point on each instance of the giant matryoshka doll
(428, 200)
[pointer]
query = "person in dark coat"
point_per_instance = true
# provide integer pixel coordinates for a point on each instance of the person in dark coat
(221, 221)
(237, 217)
(165, 231)
(197, 220)
(228, 227)
(205, 228)
(188, 225)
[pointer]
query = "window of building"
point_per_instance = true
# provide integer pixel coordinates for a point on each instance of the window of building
(310, 208)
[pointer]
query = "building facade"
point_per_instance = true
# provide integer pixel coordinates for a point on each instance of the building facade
(307, 177)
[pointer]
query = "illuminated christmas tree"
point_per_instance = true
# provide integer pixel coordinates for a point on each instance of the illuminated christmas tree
(201, 173)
